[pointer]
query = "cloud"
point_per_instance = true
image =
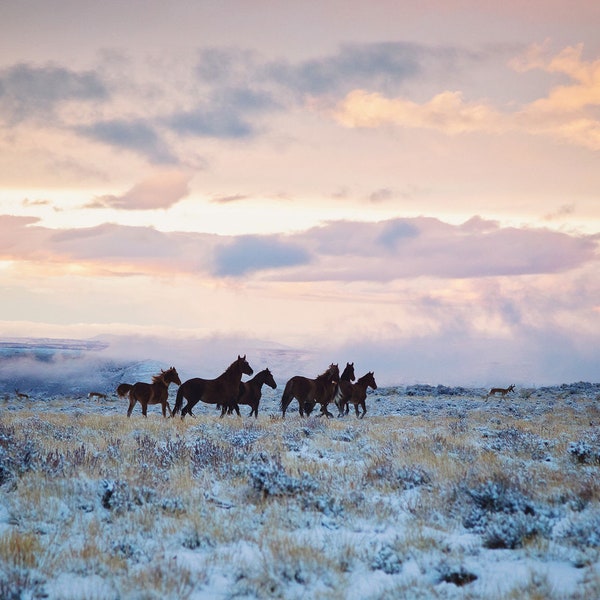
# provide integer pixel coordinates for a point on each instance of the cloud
(136, 135)
(162, 189)
(567, 113)
(246, 254)
(446, 112)
(409, 248)
(28, 91)
(391, 62)
(387, 251)
(585, 76)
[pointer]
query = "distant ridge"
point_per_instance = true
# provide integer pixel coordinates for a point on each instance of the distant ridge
(27, 343)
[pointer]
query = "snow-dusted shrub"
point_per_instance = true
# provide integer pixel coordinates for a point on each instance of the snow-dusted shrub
(162, 455)
(511, 530)
(350, 434)
(17, 583)
(504, 515)
(456, 574)
(267, 476)
(516, 441)
(206, 454)
(17, 455)
(585, 452)
(119, 497)
(387, 558)
(245, 438)
(405, 477)
(584, 532)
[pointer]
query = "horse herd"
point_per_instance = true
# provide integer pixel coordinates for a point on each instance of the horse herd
(228, 391)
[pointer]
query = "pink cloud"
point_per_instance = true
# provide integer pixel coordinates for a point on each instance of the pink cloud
(338, 251)
(162, 189)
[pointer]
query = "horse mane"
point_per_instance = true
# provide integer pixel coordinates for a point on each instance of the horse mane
(160, 378)
(233, 365)
(326, 373)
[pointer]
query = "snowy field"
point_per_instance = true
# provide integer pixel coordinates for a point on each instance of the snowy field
(436, 493)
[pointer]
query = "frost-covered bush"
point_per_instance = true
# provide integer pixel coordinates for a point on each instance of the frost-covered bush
(456, 574)
(17, 583)
(403, 478)
(267, 476)
(386, 558)
(17, 455)
(162, 455)
(119, 497)
(585, 452)
(504, 515)
(206, 454)
(516, 441)
(245, 438)
(584, 532)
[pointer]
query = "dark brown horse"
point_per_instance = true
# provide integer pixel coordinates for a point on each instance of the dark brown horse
(356, 393)
(310, 391)
(251, 391)
(223, 390)
(156, 392)
(346, 378)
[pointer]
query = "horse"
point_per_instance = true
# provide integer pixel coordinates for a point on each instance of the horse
(251, 391)
(346, 378)
(310, 391)
(223, 390)
(502, 391)
(123, 389)
(356, 394)
(156, 392)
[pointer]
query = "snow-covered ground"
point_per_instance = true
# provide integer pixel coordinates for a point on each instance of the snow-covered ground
(437, 493)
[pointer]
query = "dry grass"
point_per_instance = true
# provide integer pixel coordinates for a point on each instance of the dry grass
(158, 505)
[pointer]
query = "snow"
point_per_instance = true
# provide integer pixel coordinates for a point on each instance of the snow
(436, 493)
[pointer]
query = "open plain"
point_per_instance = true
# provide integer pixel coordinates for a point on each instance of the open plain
(437, 493)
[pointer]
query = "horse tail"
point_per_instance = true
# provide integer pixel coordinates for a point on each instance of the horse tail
(286, 397)
(123, 389)
(178, 400)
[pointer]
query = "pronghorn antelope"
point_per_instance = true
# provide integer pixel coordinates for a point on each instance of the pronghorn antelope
(502, 391)
(21, 395)
(97, 395)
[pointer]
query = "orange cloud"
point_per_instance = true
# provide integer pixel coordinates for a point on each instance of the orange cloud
(563, 114)
(446, 112)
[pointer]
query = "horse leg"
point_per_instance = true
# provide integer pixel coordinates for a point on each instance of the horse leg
(285, 401)
(325, 412)
(165, 406)
(132, 403)
(144, 408)
(364, 409)
(187, 409)
(308, 406)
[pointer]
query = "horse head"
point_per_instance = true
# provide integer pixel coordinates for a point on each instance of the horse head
(333, 372)
(348, 372)
(170, 376)
(243, 365)
(371, 380)
(268, 379)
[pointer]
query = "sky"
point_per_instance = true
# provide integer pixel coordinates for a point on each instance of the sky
(414, 187)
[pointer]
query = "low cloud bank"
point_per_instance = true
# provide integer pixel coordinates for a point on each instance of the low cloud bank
(447, 360)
